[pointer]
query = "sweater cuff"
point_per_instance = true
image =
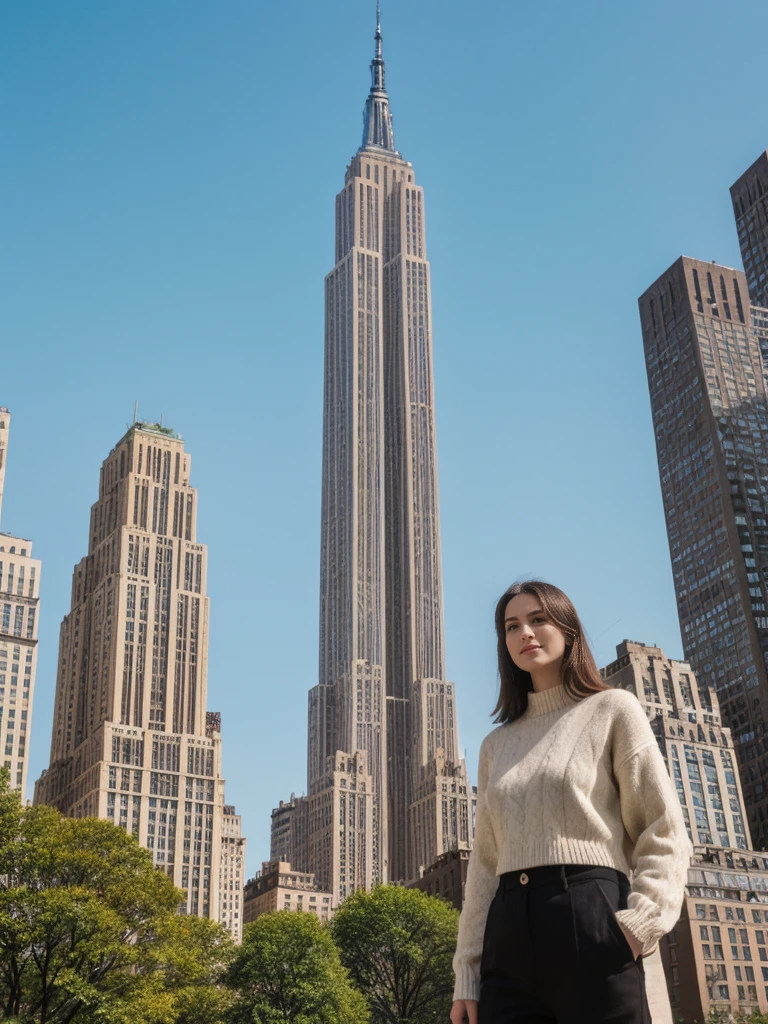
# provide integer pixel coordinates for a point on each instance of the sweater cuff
(644, 926)
(467, 984)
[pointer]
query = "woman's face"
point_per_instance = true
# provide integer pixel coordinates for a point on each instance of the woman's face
(534, 642)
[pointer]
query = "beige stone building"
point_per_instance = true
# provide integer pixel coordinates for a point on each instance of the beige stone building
(382, 717)
(19, 616)
(717, 955)
(279, 887)
(232, 873)
(132, 741)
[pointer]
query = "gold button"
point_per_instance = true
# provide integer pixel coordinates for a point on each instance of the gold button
(524, 879)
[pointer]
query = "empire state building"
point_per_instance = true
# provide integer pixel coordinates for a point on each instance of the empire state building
(387, 791)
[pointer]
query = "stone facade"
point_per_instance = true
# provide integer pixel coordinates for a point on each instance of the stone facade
(382, 704)
(278, 886)
(232, 873)
(446, 877)
(716, 957)
(132, 741)
(19, 618)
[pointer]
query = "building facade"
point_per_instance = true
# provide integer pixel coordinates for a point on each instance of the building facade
(132, 741)
(447, 877)
(710, 413)
(232, 873)
(716, 957)
(749, 196)
(698, 749)
(279, 887)
(19, 618)
(382, 714)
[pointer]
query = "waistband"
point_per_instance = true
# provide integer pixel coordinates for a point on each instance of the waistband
(559, 875)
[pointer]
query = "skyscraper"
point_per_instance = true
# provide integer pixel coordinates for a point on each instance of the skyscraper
(19, 617)
(697, 748)
(749, 196)
(717, 952)
(232, 873)
(387, 791)
(132, 741)
(710, 414)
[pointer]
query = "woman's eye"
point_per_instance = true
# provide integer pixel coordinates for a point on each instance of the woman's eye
(510, 627)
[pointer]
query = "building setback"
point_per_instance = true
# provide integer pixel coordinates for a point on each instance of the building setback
(710, 414)
(716, 957)
(387, 790)
(132, 741)
(19, 618)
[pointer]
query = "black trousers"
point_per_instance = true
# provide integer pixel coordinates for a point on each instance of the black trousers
(554, 952)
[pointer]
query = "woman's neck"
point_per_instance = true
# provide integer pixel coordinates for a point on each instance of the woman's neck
(547, 679)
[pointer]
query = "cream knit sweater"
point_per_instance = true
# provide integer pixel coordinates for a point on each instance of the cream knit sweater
(575, 783)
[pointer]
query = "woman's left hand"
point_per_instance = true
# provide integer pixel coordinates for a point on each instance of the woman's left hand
(634, 943)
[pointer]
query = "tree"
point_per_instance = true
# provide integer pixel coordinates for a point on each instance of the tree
(398, 946)
(288, 971)
(89, 928)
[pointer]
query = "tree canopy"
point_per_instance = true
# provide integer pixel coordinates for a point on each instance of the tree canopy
(288, 971)
(89, 928)
(398, 946)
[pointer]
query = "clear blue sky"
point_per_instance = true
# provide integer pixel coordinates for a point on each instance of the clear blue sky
(168, 183)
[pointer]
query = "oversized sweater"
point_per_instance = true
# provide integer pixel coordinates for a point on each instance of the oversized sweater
(575, 782)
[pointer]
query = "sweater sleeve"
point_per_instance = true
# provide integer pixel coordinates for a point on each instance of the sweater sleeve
(660, 849)
(479, 891)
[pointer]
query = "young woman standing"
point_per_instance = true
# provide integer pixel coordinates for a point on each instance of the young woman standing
(573, 797)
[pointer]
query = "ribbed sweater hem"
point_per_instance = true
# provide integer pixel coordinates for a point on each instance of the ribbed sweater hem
(559, 851)
(467, 984)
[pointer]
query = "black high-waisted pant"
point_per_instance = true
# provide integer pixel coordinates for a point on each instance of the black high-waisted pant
(554, 952)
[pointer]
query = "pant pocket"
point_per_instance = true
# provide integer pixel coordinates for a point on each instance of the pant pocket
(602, 944)
(614, 921)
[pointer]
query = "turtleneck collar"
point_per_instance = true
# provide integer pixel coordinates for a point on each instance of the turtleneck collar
(547, 701)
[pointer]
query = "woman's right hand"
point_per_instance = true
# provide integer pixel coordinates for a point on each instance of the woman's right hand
(464, 1010)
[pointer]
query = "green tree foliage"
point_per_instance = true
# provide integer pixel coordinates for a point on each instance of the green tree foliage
(726, 1017)
(288, 971)
(398, 946)
(89, 928)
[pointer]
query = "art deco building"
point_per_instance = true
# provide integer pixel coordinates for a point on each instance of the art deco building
(132, 741)
(698, 750)
(19, 616)
(717, 955)
(387, 790)
(710, 414)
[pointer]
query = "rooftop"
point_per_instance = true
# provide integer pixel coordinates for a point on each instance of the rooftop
(156, 428)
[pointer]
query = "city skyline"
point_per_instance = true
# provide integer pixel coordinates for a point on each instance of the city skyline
(149, 230)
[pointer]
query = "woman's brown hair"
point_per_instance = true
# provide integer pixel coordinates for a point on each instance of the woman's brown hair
(581, 677)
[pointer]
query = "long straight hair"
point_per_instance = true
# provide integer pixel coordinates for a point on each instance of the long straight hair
(581, 677)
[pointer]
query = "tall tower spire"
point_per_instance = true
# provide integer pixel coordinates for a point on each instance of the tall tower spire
(378, 132)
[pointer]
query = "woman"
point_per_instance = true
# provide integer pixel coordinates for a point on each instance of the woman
(573, 795)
